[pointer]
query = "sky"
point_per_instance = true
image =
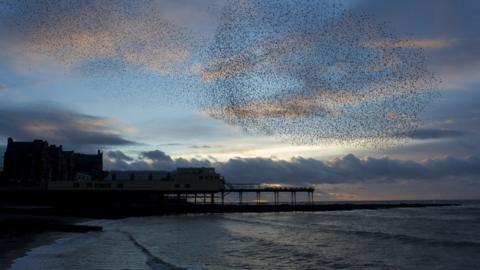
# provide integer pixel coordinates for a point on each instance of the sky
(365, 100)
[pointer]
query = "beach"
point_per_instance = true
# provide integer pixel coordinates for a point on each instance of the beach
(20, 233)
(14, 245)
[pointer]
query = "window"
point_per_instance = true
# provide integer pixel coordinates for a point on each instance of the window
(177, 186)
(114, 176)
(168, 177)
(102, 185)
(89, 185)
(150, 177)
(187, 185)
(200, 177)
(119, 185)
(76, 185)
(132, 176)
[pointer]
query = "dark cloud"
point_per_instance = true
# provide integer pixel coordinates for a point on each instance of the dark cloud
(59, 126)
(150, 160)
(200, 146)
(118, 155)
(172, 144)
(306, 170)
(425, 134)
(347, 169)
(156, 155)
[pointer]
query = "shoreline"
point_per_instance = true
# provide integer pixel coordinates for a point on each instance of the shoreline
(21, 233)
(187, 208)
(18, 246)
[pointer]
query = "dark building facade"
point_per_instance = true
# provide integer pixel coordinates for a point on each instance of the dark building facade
(37, 163)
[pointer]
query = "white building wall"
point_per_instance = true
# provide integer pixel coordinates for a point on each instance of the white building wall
(180, 180)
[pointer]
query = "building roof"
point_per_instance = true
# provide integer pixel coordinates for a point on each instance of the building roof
(26, 147)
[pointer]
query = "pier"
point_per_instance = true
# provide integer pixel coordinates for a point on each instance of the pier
(77, 180)
(276, 190)
(106, 202)
(241, 190)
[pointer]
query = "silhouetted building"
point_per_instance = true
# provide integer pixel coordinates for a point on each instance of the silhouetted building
(88, 167)
(37, 163)
(42, 166)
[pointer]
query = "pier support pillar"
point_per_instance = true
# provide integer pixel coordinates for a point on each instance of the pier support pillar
(223, 198)
(212, 198)
(293, 196)
(240, 197)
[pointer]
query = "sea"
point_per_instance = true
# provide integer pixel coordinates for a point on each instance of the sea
(403, 238)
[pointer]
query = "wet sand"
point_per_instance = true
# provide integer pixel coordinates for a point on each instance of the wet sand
(21, 233)
(14, 246)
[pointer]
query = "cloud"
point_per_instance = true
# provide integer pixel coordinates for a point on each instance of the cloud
(348, 169)
(204, 146)
(156, 155)
(411, 43)
(425, 134)
(61, 126)
(118, 155)
(301, 71)
(3, 87)
(98, 35)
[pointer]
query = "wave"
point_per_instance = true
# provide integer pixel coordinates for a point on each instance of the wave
(153, 261)
(364, 233)
(264, 222)
(413, 239)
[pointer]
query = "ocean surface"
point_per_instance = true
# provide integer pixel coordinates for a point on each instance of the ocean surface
(416, 238)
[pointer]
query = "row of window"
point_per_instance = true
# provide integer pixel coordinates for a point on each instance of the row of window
(105, 185)
(150, 177)
(209, 177)
(168, 177)
(178, 185)
(97, 185)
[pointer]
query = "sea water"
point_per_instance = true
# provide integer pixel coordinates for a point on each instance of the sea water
(403, 238)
